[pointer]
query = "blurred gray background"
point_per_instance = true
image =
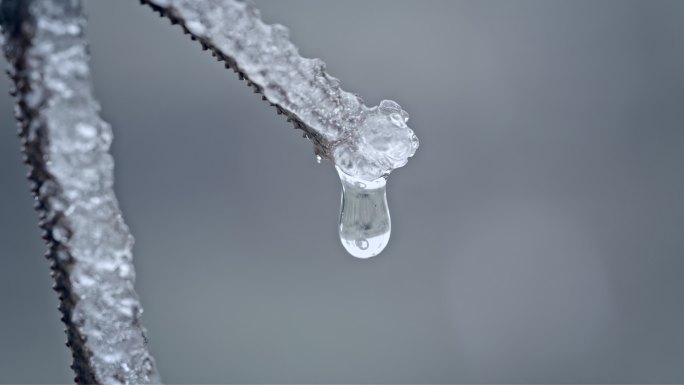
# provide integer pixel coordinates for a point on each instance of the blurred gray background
(538, 233)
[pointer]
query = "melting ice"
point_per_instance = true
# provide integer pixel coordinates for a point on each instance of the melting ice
(383, 142)
(379, 143)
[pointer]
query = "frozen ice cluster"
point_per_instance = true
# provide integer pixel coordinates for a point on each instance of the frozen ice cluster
(363, 142)
(379, 143)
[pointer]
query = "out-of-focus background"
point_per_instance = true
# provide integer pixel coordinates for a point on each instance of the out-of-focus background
(538, 233)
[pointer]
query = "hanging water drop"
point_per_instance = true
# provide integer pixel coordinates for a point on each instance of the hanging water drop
(364, 216)
(318, 159)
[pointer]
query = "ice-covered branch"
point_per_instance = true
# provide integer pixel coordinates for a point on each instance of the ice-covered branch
(66, 144)
(363, 142)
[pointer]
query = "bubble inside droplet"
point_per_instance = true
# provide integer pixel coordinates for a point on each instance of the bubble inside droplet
(365, 224)
(362, 244)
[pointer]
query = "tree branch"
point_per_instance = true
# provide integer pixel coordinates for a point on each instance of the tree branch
(363, 142)
(65, 144)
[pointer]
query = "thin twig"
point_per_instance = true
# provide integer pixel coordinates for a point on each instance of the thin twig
(66, 144)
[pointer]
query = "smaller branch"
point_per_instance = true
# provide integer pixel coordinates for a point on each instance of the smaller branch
(66, 144)
(362, 141)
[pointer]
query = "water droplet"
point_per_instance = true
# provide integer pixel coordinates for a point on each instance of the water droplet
(318, 159)
(364, 216)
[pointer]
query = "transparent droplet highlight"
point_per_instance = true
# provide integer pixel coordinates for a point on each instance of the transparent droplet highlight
(365, 224)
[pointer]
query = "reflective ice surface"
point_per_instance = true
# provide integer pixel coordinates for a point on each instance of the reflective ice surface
(364, 216)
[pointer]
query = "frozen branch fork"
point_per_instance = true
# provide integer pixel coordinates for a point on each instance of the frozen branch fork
(366, 143)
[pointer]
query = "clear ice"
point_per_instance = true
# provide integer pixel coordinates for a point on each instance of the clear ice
(365, 142)
(384, 143)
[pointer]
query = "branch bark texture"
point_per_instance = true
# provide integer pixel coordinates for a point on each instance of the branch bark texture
(66, 144)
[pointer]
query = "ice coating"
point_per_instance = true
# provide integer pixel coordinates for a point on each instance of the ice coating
(365, 142)
(381, 143)
(66, 144)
